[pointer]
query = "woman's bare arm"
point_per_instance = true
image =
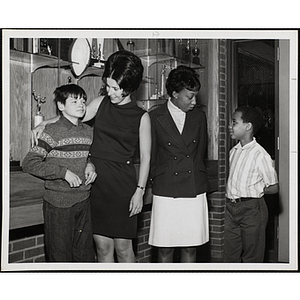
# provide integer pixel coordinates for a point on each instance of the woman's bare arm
(91, 110)
(136, 203)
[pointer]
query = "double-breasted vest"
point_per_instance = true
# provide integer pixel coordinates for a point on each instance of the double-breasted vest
(177, 167)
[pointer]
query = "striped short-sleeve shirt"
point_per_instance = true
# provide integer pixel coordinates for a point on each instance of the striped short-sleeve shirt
(251, 169)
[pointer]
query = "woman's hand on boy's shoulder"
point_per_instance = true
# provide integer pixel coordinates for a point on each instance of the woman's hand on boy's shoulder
(38, 130)
(36, 133)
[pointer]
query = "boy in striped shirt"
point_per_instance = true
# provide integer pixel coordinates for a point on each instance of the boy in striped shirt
(61, 158)
(251, 175)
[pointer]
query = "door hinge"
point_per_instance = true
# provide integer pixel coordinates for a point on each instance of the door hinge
(278, 53)
(278, 143)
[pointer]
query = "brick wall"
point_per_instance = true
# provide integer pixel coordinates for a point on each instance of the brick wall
(143, 250)
(27, 250)
(216, 201)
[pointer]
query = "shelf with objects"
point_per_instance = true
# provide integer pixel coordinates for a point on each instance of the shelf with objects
(83, 56)
(87, 57)
(162, 57)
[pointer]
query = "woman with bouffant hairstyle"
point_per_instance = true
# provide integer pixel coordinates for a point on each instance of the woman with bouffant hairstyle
(120, 128)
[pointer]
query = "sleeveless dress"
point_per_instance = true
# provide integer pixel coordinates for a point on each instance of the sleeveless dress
(116, 138)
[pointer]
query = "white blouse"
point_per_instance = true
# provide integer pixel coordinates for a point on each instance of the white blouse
(178, 115)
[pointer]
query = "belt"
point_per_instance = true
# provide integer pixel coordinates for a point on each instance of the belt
(242, 199)
(114, 158)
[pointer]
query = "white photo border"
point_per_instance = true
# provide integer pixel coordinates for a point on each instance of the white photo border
(291, 35)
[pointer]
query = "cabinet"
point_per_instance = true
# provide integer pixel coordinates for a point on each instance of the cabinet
(159, 57)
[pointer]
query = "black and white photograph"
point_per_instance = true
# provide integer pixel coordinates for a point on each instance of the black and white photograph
(149, 163)
(150, 150)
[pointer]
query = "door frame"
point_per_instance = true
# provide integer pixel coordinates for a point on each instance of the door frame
(232, 103)
(283, 95)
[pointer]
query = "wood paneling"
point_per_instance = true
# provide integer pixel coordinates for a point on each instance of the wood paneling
(20, 109)
(26, 194)
(44, 82)
(91, 85)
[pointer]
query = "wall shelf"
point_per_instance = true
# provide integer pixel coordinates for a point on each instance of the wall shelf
(168, 59)
(38, 60)
(152, 91)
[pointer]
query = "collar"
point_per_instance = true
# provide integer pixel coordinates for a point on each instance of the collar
(174, 109)
(68, 124)
(130, 104)
(247, 146)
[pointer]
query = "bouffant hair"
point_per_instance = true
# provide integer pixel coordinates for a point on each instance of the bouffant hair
(126, 69)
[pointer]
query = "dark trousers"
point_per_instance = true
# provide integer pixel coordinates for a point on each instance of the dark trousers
(68, 233)
(245, 231)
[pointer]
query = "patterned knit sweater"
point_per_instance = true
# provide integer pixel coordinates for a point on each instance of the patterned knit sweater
(62, 146)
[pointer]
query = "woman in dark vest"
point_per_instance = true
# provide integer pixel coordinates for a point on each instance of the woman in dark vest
(179, 136)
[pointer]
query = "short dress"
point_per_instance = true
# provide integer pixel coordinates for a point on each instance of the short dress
(116, 138)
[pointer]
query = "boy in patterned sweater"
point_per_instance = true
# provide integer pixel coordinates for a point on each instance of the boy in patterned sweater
(61, 158)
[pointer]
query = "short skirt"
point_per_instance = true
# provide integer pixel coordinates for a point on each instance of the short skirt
(179, 222)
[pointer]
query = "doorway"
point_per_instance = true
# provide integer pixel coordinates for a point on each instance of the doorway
(253, 74)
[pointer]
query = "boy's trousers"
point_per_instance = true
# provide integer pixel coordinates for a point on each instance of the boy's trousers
(68, 233)
(245, 230)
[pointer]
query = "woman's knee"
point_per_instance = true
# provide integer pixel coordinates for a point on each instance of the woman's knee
(104, 245)
(123, 246)
(165, 251)
(189, 250)
(124, 251)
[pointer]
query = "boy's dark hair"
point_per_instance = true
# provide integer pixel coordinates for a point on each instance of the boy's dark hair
(63, 92)
(251, 115)
(126, 69)
(182, 77)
